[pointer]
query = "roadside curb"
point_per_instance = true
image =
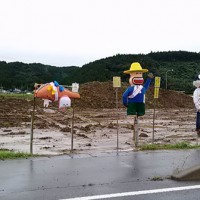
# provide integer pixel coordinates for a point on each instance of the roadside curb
(189, 174)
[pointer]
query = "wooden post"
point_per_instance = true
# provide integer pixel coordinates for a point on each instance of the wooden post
(156, 94)
(75, 88)
(136, 127)
(72, 128)
(117, 119)
(134, 130)
(32, 126)
(116, 85)
(154, 111)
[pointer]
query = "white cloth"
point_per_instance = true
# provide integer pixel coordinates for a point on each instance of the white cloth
(137, 89)
(196, 98)
(46, 102)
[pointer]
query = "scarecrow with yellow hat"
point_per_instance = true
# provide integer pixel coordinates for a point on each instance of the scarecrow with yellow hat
(134, 96)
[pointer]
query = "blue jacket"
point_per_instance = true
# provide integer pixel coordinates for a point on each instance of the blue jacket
(139, 98)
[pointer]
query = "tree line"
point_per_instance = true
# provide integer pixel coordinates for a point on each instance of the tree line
(185, 65)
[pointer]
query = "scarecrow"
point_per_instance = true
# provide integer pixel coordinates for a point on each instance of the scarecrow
(196, 99)
(134, 96)
(54, 92)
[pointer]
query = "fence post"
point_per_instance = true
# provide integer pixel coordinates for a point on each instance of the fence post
(116, 85)
(72, 128)
(32, 126)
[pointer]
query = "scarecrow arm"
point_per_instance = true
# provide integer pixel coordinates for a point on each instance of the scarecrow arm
(146, 85)
(125, 96)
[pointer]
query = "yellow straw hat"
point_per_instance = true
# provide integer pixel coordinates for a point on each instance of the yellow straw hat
(135, 67)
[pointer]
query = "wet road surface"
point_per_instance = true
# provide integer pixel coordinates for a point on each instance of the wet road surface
(65, 177)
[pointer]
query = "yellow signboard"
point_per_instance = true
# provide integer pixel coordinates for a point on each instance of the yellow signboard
(156, 92)
(157, 81)
(116, 81)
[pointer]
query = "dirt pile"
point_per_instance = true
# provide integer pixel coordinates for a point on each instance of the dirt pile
(94, 122)
(169, 99)
(103, 95)
(94, 95)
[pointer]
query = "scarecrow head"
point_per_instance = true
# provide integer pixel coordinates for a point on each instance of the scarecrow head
(136, 74)
(196, 83)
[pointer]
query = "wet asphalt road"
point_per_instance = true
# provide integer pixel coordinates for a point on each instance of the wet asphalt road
(64, 177)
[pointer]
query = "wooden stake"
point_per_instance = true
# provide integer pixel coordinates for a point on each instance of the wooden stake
(136, 130)
(72, 128)
(117, 119)
(154, 111)
(32, 126)
(197, 141)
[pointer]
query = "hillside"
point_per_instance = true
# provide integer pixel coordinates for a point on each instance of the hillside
(185, 65)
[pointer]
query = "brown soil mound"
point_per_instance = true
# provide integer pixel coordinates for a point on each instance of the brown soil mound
(94, 122)
(170, 99)
(103, 95)
(94, 95)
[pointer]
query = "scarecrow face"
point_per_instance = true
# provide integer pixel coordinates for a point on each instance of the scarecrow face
(136, 78)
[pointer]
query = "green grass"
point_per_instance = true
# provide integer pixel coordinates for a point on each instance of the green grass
(181, 145)
(6, 154)
(20, 96)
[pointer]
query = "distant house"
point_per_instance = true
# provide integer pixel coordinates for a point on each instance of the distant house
(17, 90)
(3, 91)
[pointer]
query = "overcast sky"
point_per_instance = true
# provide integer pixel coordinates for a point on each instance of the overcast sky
(76, 32)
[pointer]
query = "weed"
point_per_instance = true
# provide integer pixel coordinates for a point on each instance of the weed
(156, 178)
(6, 154)
(181, 145)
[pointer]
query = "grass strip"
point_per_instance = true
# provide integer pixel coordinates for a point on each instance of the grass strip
(19, 96)
(6, 154)
(181, 145)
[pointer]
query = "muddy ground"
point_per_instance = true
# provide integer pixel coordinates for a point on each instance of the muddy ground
(95, 122)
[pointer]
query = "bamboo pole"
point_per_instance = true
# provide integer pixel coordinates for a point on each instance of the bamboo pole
(32, 126)
(117, 108)
(154, 111)
(72, 128)
(136, 128)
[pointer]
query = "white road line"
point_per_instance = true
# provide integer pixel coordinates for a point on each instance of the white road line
(134, 193)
